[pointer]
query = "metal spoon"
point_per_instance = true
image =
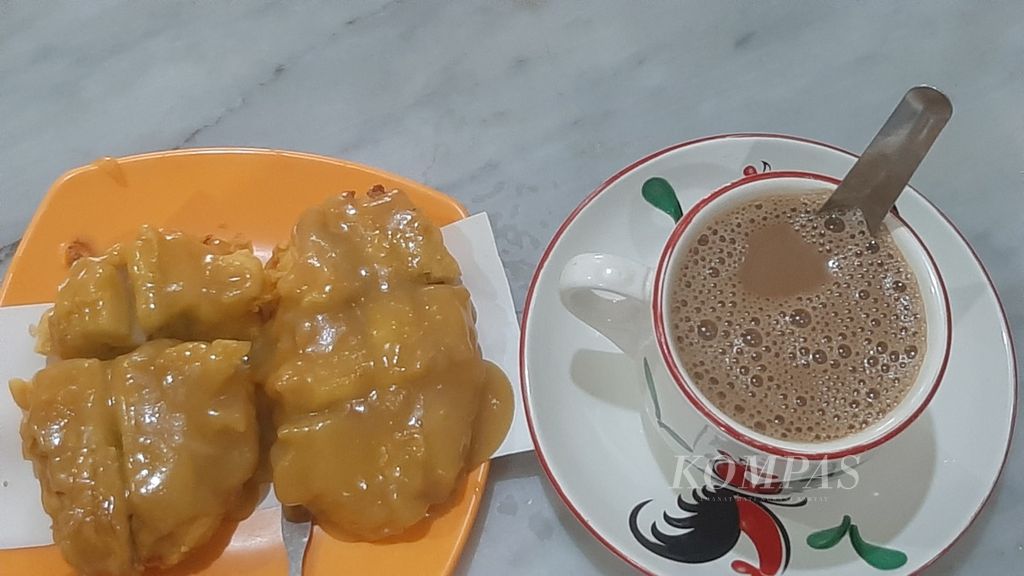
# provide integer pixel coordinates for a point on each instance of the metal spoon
(885, 168)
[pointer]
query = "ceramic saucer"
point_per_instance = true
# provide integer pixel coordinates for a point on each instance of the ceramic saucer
(910, 501)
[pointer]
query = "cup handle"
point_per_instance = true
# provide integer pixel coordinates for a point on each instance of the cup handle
(611, 294)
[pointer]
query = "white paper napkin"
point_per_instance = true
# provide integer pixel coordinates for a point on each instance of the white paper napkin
(470, 241)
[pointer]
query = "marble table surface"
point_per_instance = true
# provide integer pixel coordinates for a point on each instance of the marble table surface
(520, 108)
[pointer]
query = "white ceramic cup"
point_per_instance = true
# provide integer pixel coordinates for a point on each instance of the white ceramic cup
(627, 302)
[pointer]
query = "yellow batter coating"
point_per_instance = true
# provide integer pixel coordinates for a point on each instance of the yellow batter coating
(363, 340)
(372, 363)
(159, 285)
(141, 458)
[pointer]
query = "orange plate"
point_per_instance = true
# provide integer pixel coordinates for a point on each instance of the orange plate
(257, 194)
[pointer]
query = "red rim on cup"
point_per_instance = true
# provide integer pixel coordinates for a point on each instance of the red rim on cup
(725, 424)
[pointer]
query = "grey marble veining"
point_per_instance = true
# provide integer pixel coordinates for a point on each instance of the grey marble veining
(520, 108)
(6, 253)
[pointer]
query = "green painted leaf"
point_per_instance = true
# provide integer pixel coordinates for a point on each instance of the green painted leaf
(825, 539)
(659, 193)
(877, 556)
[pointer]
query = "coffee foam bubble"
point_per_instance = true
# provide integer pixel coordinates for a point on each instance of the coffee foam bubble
(811, 367)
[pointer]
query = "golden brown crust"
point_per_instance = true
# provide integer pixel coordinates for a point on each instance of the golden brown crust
(373, 367)
(364, 343)
(76, 250)
(162, 284)
(142, 458)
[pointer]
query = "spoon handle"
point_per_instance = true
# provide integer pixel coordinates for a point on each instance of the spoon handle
(885, 168)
